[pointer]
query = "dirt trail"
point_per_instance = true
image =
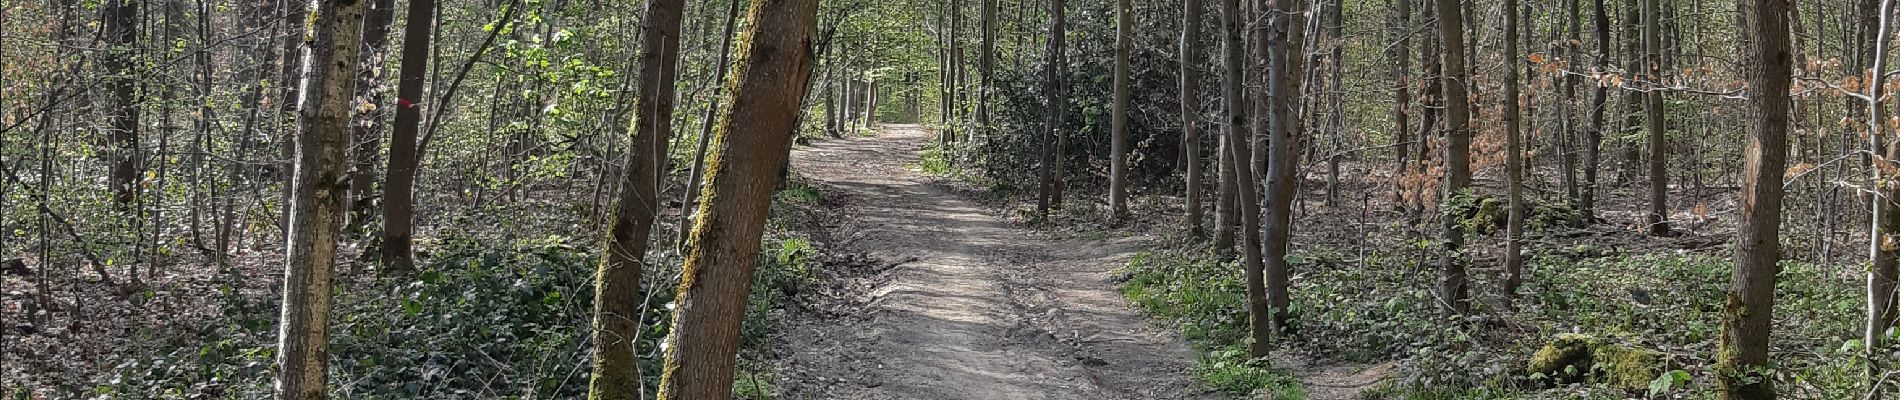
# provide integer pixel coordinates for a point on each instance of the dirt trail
(970, 307)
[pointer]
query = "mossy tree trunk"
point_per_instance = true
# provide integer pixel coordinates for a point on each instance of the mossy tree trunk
(617, 294)
(712, 111)
(754, 139)
(1748, 314)
(316, 213)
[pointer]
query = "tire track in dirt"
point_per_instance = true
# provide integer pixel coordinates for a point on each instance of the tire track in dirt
(973, 308)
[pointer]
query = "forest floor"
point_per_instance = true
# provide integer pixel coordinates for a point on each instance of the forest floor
(964, 304)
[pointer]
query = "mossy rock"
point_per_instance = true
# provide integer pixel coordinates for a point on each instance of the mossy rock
(1479, 214)
(1627, 367)
(1566, 358)
(1573, 357)
(1554, 215)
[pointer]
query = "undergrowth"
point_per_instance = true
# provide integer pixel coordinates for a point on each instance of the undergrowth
(1377, 307)
(1204, 299)
(480, 320)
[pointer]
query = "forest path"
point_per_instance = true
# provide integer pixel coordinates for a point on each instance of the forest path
(967, 306)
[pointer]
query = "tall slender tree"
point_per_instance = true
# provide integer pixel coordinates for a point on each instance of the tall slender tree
(369, 118)
(1451, 35)
(319, 188)
(754, 138)
(1283, 141)
(120, 23)
(1748, 314)
(1049, 189)
(617, 294)
(1883, 308)
(1191, 113)
(986, 66)
(1653, 122)
(1247, 198)
(1599, 99)
(1118, 137)
(399, 185)
(1514, 157)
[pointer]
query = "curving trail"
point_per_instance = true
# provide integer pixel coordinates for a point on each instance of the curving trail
(970, 306)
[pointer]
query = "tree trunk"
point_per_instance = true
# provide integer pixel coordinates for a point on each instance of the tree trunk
(1284, 49)
(1402, 84)
(320, 185)
(1434, 97)
(1452, 281)
(370, 89)
(617, 290)
(120, 19)
(754, 138)
(1118, 136)
(706, 126)
(1885, 255)
(1593, 146)
(1191, 113)
(1514, 158)
(1653, 106)
(1049, 190)
(1748, 314)
(1258, 309)
(399, 188)
(1567, 137)
(986, 65)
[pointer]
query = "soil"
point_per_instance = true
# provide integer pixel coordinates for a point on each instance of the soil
(961, 304)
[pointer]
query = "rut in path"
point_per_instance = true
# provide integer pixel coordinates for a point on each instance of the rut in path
(976, 308)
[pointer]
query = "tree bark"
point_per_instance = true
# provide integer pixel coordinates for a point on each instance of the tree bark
(1402, 84)
(706, 127)
(368, 125)
(1653, 106)
(754, 139)
(1049, 190)
(316, 211)
(1884, 252)
(399, 187)
(1593, 146)
(1283, 130)
(617, 293)
(1748, 314)
(120, 19)
(1118, 136)
(1191, 114)
(1514, 158)
(986, 66)
(1258, 309)
(1452, 279)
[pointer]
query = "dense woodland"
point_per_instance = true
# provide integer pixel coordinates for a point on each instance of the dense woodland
(453, 199)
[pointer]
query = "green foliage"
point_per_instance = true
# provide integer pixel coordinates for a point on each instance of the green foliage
(1477, 214)
(1203, 299)
(1229, 370)
(934, 161)
(477, 322)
